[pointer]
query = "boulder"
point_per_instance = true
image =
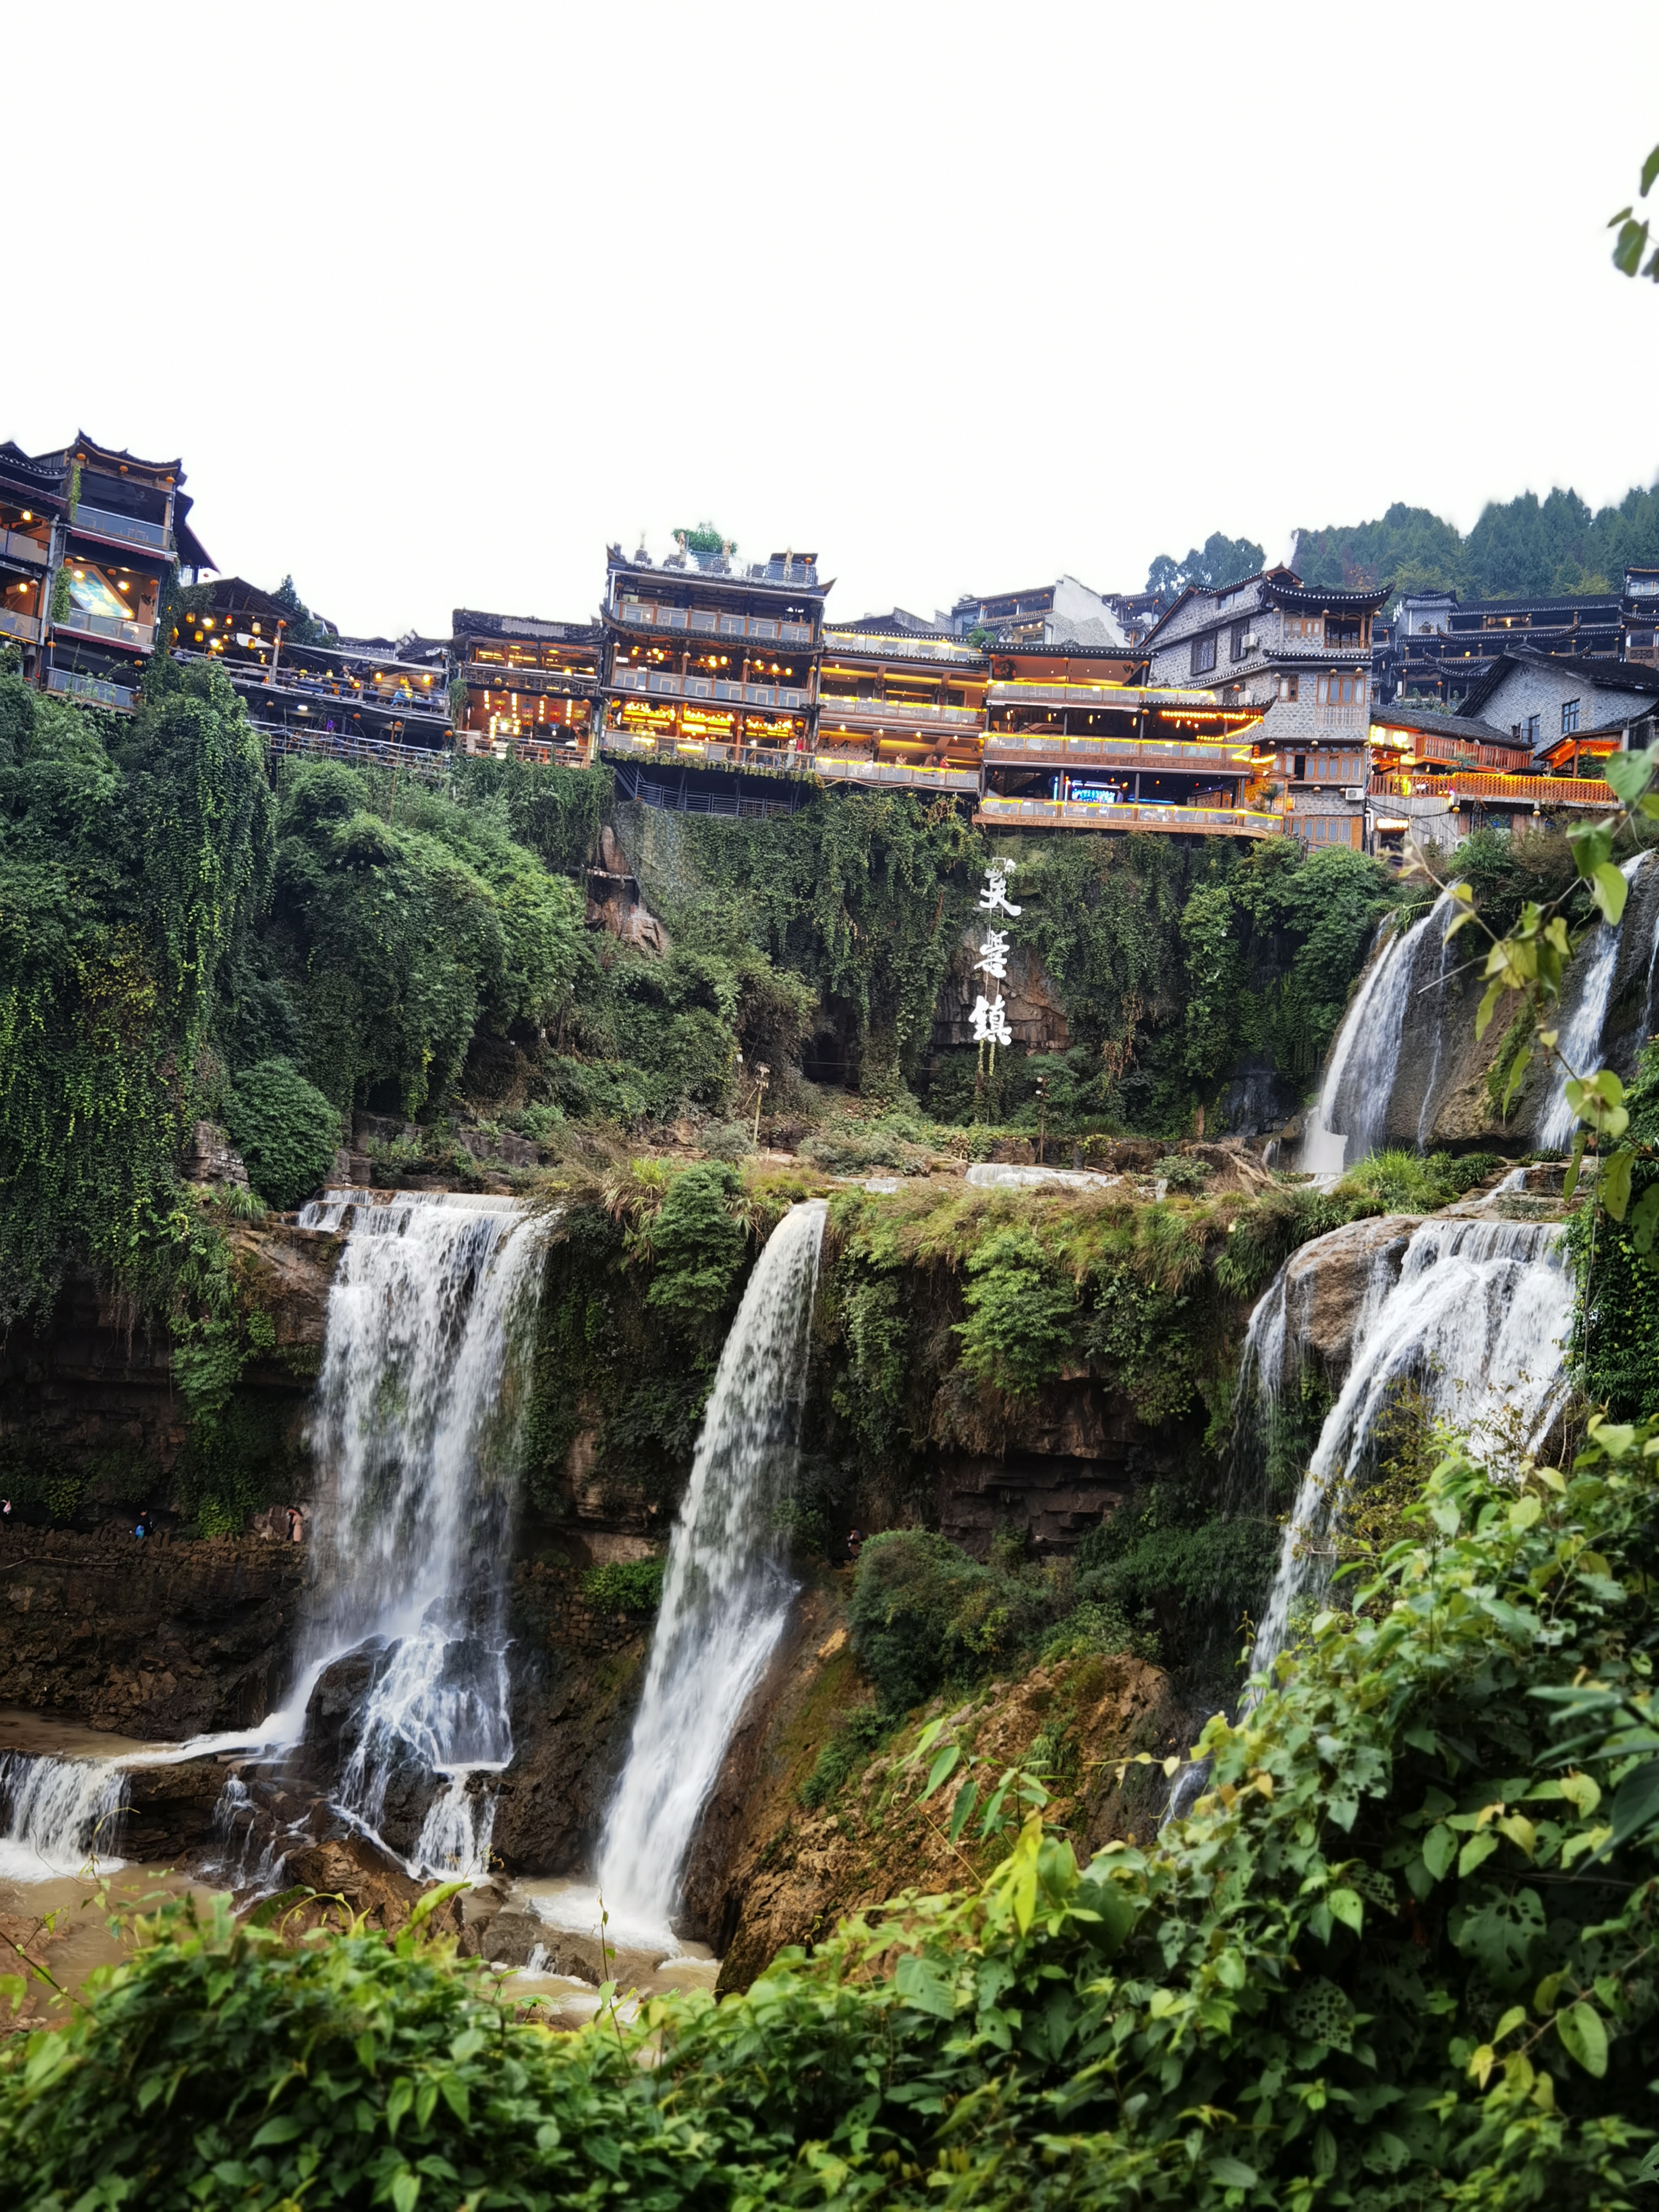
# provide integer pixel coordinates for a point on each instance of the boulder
(1331, 1282)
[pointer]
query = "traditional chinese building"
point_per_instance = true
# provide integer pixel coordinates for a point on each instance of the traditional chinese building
(1639, 612)
(900, 703)
(532, 687)
(1069, 744)
(85, 573)
(708, 660)
(1300, 656)
(1438, 648)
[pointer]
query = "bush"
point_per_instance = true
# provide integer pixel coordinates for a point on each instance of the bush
(697, 1245)
(285, 1130)
(625, 1585)
(1406, 1182)
(859, 1735)
(910, 1587)
(1021, 1314)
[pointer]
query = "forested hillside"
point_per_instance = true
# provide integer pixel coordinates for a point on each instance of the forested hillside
(1520, 548)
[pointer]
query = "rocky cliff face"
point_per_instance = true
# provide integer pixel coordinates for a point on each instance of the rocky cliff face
(154, 1638)
(768, 1871)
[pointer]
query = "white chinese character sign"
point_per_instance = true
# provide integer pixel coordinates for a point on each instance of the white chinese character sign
(989, 1017)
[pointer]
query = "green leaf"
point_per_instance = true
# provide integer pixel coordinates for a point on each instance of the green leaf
(1644, 1220)
(281, 2130)
(1635, 1805)
(1592, 849)
(405, 2190)
(1629, 774)
(963, 1811)
(1477, 1848)
(1650, 171)
(1575, 1163)
(924, 1988)
(1580, 2028)
(1609, 890)
(454, 2091)
(943, 1767)
(1233, 2174)
(1492, 993)
(402, 2097)
(1629, 246)
(1347, 1907)
(1439, 1850)
(1612, 1187)
(432, 1900)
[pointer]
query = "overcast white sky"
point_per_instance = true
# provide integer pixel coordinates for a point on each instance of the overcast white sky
(435, 301)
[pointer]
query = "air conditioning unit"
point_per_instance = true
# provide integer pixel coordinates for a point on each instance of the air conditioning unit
(1353, 791)
(1250, 642)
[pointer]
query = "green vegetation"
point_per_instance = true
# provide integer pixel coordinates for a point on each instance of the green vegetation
(1410, 1182)
(1519, 548)
(284, 1128)
(1619, 1285)
(625, 1585)
(1222, 560)
(1398, 1954)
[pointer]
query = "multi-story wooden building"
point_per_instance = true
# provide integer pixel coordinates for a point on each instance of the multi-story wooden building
(1073, 741)
(85, 573)
(531, 687)
(1299, 655)
(899, 703)
(1438, 648)
(709, 660)
(1639, 613)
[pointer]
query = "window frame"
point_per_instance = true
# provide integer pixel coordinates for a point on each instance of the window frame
(1202, 659)
(1571, 712)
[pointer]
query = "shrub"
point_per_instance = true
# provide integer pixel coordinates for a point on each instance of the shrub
(1406, 1182)
(1021, 1314)
(625, 1585)
(910, 1587)
(698, 1245)
(859, 1735)
(285, 1130)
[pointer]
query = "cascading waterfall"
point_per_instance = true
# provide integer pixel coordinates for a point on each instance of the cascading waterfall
(1584, 1014)
(726, 1593)
(1479, 1320)
(60, 1816)
(1359, 1077)
(415, 1422)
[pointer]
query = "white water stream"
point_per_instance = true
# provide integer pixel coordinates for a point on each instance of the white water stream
(726, 1593)
(1478, 1319)
(1584, 1016)
(60, 1815)
(1359, 1076)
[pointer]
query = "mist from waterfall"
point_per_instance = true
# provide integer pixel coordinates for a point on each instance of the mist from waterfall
(726, 1592)
(1478, 1319)
(1359, 1075)
(416, 1423)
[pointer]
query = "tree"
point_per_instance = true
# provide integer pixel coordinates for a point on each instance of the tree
(1222, 560)
(304, 627)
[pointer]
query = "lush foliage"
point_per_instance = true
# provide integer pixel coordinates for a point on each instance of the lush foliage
(1411, 1182)
(1518, 548)
(624, 1585)
(1398, 1955)
(284, 1128)
(1620, 1288)
(130, 864)
(402, 928)
(1222, 560)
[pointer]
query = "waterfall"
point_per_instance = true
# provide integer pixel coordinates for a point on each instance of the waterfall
(1583, 1014)
(60, 1814)
(1359, 1076)
(1479, 1320)
(415, 1426)
(726, 1593)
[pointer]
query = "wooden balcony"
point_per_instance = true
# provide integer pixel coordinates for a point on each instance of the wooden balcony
(1544, 791)
(896, 713)
(669, 684)
(121, 529)
(26, 627)
(79, 623)
(538, 683)
(841, 768)
(995, 812)
(1054, 749)
(710, 622)
(92, 691)
(1127, 698)
(18, 545)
